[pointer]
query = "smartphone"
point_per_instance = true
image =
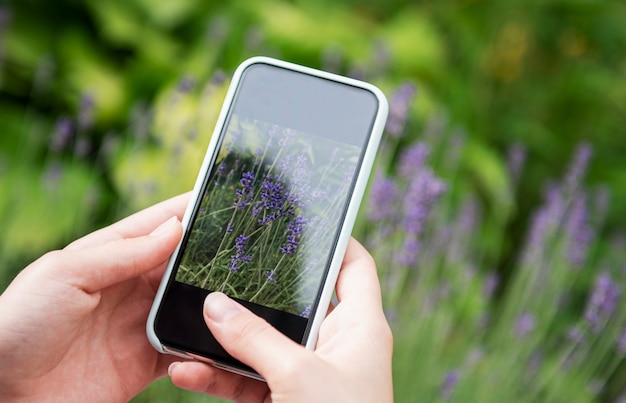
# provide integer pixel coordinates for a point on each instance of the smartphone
(273, 207)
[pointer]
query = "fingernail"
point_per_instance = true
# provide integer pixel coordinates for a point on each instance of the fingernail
(219, 308)
(162, 229)
(171, 367)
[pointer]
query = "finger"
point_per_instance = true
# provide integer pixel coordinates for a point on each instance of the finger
(358, 280)
(138, 224)
(199, 377)
(251, 339)
(94, 268)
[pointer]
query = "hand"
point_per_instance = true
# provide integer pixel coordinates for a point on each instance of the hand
(352, 361)
(72, 324)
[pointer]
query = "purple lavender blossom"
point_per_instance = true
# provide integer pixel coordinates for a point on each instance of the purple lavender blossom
(576, 335)
(273, 200)
(543, 223)
(221, 169)
(186, 84)
(413, 159)
(448, 384)
(492, 280)
(86, 111)
(524, 325)
(515, 160)
(399, 104)
(270, 276)
(63, 132)
(245, 192)
(577, 169)
(235, 135)
(579, 231)
(422, 194)
(240, 257)
(295, 230)
(382, 198)
(288, 134)
(306, 313)
(602, 302)
(218, 77)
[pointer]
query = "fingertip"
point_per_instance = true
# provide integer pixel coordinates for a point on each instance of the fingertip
(219, 308)
(166, 227)
(192, 375)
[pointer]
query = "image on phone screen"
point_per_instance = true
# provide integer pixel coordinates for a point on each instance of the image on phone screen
(267, 219)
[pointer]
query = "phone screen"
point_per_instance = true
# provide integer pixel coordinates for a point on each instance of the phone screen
(272, 206)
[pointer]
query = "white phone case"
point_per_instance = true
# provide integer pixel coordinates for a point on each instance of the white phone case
(353, 204)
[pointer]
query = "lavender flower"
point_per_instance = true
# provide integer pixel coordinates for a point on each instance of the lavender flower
(399, 109)
(576, 335)
(240, 257)
(579, 232)
(288, 134)
(492, 280)
(603, 301)
(306, 313)
(424, 191)
(221, 169)
(516, 159)
(245, 192)
(543, 223)
(295, 229)
(448, 384)
(85, 111)
(272, 203)
(186, 84)
(270, 276)
(382, 198)
(62, 134)
(577, 169)
(413, 159)
(524, 325)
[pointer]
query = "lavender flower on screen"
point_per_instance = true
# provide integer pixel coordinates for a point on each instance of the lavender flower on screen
(245, 192)
(270, 276)
(240, 257)
(295, 230)
(306, 313)
(272, 203)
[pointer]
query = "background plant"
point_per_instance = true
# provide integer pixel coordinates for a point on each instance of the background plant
(505, 284)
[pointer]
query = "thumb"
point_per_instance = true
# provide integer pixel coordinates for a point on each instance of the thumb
(95, 268)
(249, 338)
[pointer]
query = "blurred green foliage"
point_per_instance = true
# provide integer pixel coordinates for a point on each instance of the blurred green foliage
(141, 82)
